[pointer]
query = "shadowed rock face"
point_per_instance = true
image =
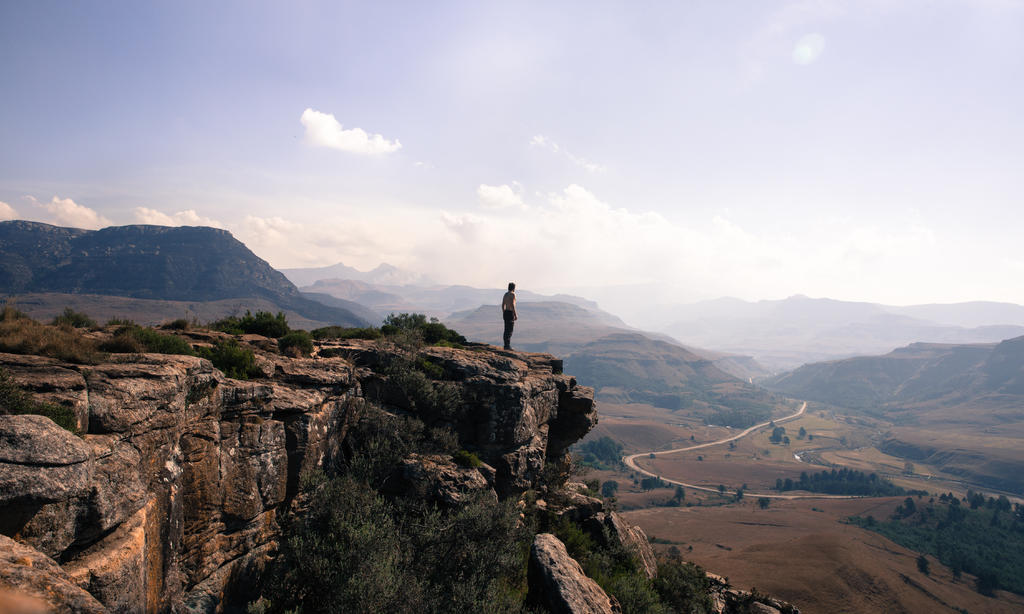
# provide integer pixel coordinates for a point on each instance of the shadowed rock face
(172, 498)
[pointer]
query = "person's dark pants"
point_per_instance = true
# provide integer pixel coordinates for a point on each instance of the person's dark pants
(510, 322)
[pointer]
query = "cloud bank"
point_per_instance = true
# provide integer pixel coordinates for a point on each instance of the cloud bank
(7, 212)
(66, 212)
(323, 130)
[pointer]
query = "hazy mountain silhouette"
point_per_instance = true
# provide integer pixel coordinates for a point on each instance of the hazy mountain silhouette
(786, 333)
(383, 274)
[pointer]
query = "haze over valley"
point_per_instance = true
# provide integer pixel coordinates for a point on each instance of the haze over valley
(418, 308)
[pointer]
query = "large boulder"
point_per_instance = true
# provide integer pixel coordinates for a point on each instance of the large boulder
(40, 462)
(558, 583)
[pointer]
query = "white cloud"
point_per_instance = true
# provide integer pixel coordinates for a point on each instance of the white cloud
(7, 212)
(66, 212)
(188, 217)
(323, 130)
(808, 48)
(499, 197)
(539, 140)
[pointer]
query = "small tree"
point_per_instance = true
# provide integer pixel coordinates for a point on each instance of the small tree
(609, 488)
(922, 564)
(763, 502)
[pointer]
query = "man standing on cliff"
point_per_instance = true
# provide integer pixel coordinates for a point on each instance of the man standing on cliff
(508, 313)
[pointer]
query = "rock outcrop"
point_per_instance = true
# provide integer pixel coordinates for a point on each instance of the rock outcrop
(558, 583)
(170, 501)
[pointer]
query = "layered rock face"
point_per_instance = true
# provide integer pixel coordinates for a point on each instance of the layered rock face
(171, 500)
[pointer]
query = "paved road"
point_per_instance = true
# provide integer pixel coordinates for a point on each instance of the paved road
(630, 462)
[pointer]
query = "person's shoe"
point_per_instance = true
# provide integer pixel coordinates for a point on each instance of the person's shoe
(508, 347)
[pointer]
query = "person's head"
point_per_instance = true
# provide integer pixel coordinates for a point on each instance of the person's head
(511, 286)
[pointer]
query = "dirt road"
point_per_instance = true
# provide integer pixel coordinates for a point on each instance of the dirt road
(630, 462)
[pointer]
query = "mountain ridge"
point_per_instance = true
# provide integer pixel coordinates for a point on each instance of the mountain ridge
(183, 263)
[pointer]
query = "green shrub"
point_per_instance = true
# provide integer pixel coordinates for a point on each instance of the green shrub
(433, 332)
(136, 339)
(262, 323)
(466, 459)
(683, 587)
(354, 551)
(341, 332)
(235, 361)
(74, 319)
(15, 401)
(296, 343)
(120, 322)
(20, 334)
(179, 324)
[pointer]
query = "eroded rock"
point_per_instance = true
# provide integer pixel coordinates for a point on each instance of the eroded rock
(33, 582)
(558, 583)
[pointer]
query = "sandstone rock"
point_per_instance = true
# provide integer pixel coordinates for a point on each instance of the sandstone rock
(613, 527)
(558, 583)
(40, 462)
(35, 582)
(113, 569)
(51, 383)
(439, 479)
(175, 492)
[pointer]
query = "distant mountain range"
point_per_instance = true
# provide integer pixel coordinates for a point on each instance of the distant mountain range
(787, 333)
(149, 263)
(382, 274)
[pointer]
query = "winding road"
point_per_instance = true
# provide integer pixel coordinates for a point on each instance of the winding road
(630, 461)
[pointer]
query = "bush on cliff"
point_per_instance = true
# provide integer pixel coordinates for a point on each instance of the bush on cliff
(74, 319)
(354, 550)
(432, 331)
(234, 360)
(20, 334)
(296, 343)
(262, 323)
(14, 401)
(133, 338)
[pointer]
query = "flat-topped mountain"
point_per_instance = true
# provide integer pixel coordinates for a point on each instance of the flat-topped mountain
(147, 262)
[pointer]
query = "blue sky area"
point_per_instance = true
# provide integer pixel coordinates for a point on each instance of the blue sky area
(674, 151)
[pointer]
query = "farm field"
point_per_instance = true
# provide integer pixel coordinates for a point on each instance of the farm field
(801, 552)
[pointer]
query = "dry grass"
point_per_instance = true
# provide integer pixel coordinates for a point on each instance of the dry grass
(20, 334)
(801, 552)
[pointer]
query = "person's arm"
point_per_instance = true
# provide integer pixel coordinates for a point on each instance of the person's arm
(515, 314)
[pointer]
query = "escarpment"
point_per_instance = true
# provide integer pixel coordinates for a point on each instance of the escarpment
(172, 498)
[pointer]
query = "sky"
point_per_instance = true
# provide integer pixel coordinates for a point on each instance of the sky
(645, 152)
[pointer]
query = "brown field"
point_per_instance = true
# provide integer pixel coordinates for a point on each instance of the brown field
(800, 552)
(641, 427)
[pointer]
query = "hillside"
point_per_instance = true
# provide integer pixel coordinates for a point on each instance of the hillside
(784, 334)
(566, 328)
(147, 262)
(959, 408)
(919, 375)
(628, 367)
